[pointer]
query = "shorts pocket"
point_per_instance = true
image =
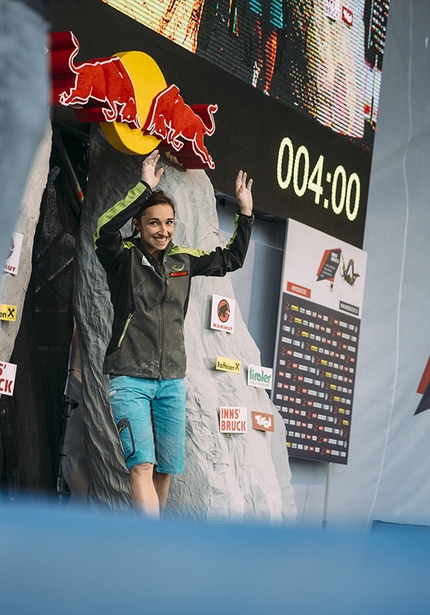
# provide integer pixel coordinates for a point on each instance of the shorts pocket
(127, 440)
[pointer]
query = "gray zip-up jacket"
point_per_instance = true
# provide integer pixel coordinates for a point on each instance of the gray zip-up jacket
(150, 299)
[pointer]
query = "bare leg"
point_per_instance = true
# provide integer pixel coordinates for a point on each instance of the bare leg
(143, 492)
(161, 484)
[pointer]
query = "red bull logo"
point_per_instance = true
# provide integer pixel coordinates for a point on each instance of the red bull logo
(172, 120)
(103, 86)
(128, 95)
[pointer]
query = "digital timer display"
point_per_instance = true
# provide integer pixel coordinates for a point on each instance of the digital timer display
(294, 167)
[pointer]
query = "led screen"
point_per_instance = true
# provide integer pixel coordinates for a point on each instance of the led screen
(322, 58)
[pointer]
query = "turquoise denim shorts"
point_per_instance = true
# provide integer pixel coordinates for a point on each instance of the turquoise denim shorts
(150, 417)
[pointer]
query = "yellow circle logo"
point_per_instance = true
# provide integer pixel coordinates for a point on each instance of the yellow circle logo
(148, 81)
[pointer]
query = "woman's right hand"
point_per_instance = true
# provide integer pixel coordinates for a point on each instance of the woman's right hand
(149, 174)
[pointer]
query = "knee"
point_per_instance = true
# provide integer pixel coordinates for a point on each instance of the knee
(143, 469)
(160, 474)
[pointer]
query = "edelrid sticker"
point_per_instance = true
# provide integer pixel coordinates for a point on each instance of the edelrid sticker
(260, 376)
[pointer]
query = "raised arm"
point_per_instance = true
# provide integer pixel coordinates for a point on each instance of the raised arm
(222, 260)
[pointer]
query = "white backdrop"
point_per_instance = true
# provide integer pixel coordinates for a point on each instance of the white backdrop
(387, 477)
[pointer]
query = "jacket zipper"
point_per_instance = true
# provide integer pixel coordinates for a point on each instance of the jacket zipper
(124, 331)
(166, 281)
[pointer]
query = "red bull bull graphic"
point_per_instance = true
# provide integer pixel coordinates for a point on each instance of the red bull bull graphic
(128, 94)
(99, 91)
(172, 120)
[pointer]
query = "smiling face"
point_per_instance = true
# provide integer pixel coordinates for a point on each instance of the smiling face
(156, 227)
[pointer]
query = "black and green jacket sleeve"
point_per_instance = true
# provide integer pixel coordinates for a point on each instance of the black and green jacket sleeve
(221, 260)
(108, 241)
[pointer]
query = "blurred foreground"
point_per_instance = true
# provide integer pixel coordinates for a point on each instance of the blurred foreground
(70, 560)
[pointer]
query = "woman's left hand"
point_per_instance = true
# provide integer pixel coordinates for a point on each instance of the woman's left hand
(244, 194)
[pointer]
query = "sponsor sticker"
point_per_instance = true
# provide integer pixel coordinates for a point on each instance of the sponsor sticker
(222, 315)
(7, 312)
(332, 9)
(347, 16)
(260, 376)
(262, 421)
(12, 262)
(227, 365)
(233, 420)
(298, 290)
(7, 378)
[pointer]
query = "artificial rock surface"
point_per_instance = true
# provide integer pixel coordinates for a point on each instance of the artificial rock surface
(14, 287)
(243, 477)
